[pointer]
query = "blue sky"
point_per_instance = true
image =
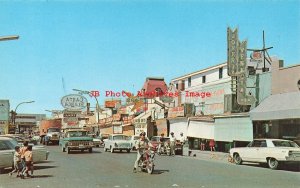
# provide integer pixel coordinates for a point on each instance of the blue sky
(115, 45)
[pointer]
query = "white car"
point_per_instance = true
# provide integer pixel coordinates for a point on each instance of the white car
(117, 142)
(133, 140)
(7, 149)
(270, 151)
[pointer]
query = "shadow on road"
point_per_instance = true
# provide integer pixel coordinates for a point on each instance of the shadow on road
(43, 167)
(160, 171)
(288, 167)
(40, 176)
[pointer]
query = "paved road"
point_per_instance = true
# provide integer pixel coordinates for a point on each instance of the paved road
(105, 169)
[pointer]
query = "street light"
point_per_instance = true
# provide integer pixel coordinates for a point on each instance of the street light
(97, 103)
(15, 113)
(54, 112)
(11, 37)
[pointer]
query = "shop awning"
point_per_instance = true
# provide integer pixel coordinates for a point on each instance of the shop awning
(276, 107)
(178, 125)
(200, 129)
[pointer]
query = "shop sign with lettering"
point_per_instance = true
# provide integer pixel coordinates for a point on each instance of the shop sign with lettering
(73, 102)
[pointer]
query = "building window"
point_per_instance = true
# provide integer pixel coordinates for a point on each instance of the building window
(190, 81)
(221, 73)
(203, 79)
(177, 86)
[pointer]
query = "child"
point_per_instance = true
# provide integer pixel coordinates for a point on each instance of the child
(28, 162)
(17, 162)
(22, 152)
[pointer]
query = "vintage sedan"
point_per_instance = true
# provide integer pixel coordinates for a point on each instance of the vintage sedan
(117, 142)
(76, 139)
(133, 140)
(7, 148)
(270, 151)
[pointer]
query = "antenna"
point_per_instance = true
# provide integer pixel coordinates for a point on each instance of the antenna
(264, 50)
(63, 84)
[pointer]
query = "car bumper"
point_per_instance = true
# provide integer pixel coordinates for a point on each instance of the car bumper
(292, 159)
(80, 147)
(122, 148)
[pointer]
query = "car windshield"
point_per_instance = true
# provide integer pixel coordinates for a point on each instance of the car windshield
(155, 138)
(284, 143)
(120, 137)
(8, 144)
(77, 133)
(53, 130)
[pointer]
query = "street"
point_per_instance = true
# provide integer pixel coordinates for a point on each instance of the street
(105, 169)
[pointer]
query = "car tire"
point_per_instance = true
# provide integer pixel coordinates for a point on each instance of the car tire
(63, 149)
(273, 163)
(237, 159)
(112, 149)
(90, 150)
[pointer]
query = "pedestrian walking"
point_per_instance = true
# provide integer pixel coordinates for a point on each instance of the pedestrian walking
(22, 152)
(212, 145)
(28, 163)
(172, 143)
(17, 162)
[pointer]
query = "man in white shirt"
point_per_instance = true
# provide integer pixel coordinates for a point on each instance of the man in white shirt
(172, 143)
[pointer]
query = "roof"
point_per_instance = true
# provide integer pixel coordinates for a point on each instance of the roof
(151, 84)
(200, 71)
(276, 107)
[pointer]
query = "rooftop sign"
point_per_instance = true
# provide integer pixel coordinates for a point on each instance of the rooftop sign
(73, 102)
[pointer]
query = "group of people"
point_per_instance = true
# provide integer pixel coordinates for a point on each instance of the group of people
(23, 162)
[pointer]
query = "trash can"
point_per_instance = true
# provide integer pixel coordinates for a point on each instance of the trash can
(185, 149)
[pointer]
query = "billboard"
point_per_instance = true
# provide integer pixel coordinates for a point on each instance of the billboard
(112, 103)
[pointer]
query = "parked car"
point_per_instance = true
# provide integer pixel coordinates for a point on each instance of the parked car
(20, 139)
(270, 151)
(76, 139)
(117, 142)
(133, 140)
(7, 148)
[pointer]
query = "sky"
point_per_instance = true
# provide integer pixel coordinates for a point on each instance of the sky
(115, 45)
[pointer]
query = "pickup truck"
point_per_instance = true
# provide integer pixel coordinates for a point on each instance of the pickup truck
(76, 139)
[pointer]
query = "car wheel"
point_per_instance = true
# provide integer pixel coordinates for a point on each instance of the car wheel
(111, 149)
(90, 150)
(237, 159)
(273, 163)
(63, 149)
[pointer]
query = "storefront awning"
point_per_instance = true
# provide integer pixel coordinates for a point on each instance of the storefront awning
(200, 129)
(178, 125)
(276, 107)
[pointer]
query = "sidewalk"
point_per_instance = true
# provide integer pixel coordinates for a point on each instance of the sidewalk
(208, 155)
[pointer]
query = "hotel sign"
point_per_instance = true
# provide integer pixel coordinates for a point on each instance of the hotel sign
(73, 102)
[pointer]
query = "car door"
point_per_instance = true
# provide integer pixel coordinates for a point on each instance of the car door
(6, 155)
(249, 153)
(261, 151)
